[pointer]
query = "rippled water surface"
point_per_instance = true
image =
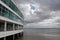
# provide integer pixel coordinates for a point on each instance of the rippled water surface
(41, 34)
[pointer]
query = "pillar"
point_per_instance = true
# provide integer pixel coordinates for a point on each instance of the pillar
(13, 27)
(13, 30)
(5, 25)
(4, 38)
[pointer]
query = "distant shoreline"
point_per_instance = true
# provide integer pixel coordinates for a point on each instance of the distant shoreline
(41, 28)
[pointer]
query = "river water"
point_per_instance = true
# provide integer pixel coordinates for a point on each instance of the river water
(41, 34)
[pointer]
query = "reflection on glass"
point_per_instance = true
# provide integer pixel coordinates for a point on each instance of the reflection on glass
(1, 26)
(9, 27)
(8, 14)
(20, 27)
(16, 27)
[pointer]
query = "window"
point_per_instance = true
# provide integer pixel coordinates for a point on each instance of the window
(9, 27)
(20, 27)
(13, 7)
(1, 26)
(8, 14)
(0, 7)
(16, 27)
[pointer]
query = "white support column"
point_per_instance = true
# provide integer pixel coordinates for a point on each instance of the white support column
(13, 30)
(5, 25)
(13, 27)
(13, 37)
(18, 33)
(18, 27)
(4, 38)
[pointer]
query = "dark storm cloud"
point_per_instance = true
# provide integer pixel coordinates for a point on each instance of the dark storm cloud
(43, 15)
(53, 5)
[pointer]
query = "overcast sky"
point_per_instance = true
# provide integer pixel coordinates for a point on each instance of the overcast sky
(40, 13)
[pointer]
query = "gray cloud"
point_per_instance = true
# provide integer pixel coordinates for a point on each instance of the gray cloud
(53, 5)
(47, 10)
(43, 15)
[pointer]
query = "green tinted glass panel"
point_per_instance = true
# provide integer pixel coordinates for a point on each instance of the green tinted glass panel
(8, 14)
(12, 6)
(9, 27)
(1, 26)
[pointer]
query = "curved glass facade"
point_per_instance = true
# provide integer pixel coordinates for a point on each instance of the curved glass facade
(11, 20)
(13, 7)
(8, 14)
